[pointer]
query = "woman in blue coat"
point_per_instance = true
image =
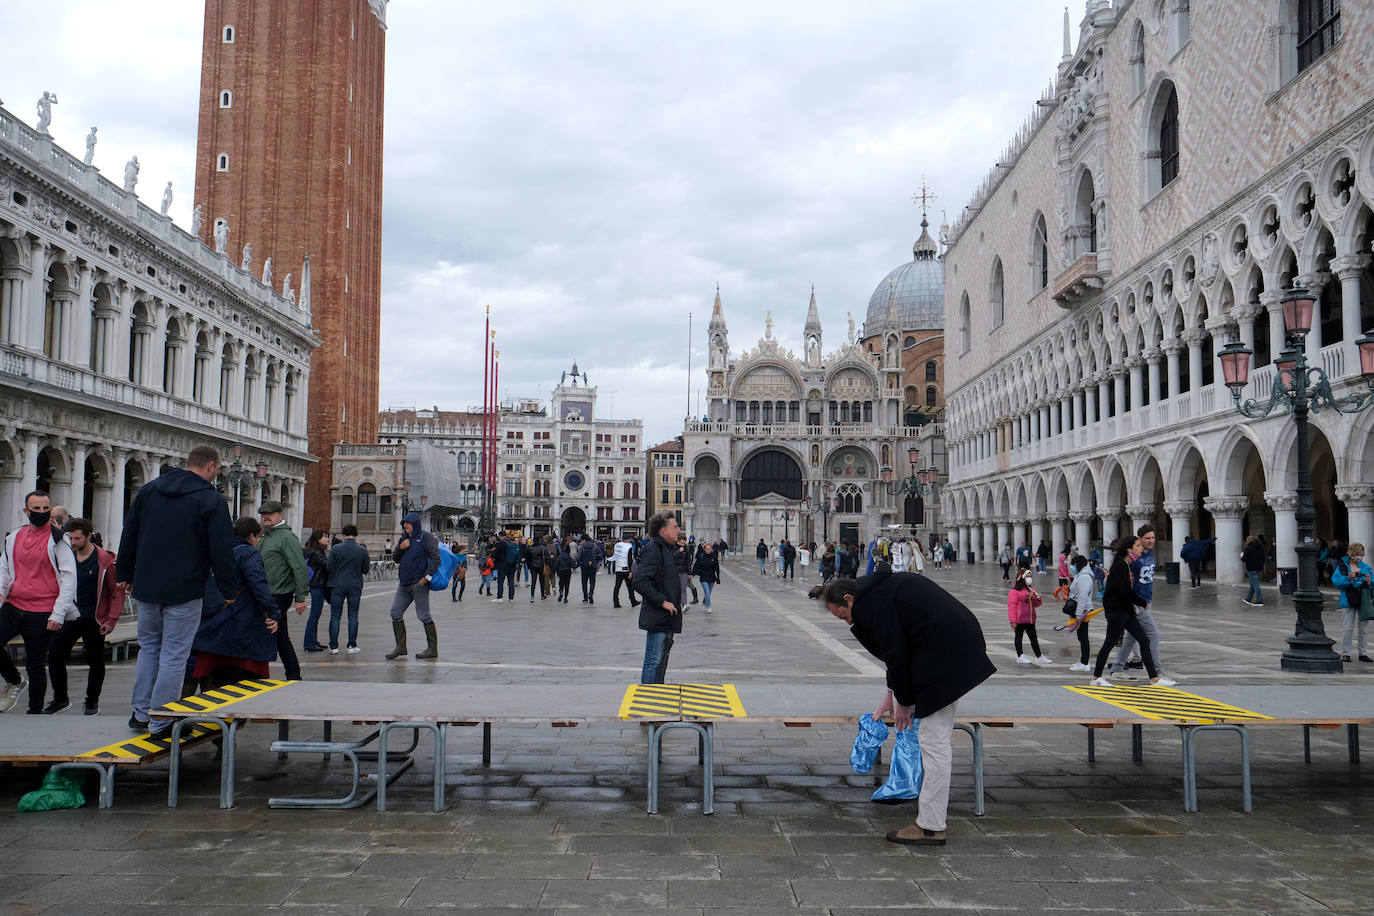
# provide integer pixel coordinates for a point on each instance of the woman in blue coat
(235, 640)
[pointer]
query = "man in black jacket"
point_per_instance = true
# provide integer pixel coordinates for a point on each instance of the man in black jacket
(660, 590)
(176, 531)
(934, 651)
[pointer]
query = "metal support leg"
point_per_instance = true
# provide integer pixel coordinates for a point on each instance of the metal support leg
(706, 736)
(348, 750)
(1352, 740)
(1137, 744)
(486, 744)
(1188, 734)
(415, 727)
(283, 734)
(1092, 744)
(227, 760)
(106, 771)
(975, 733)
(1307, 744)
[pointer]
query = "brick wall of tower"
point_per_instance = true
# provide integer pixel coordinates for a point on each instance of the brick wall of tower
(304, 140)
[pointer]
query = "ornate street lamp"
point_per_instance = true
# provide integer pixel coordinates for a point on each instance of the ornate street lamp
(1298, 389)
(920, 482)
(239, 476)
(785, 514)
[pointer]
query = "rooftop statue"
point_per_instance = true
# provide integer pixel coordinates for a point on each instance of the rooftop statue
(131, 174)
(45, 105)
(90, 146)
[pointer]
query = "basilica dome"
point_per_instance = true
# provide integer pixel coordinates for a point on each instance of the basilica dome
(917, 289)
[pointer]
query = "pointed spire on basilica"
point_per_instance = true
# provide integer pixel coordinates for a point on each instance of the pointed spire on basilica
(813, 317)
(717, 312)
(925, 248)
(890, 316)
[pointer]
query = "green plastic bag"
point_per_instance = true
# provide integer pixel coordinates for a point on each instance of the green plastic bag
(59, 791)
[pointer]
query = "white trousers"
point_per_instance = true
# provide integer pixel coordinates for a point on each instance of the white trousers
(937, 731)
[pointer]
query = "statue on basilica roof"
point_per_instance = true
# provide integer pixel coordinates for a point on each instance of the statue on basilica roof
(90, 146)
(45, 105)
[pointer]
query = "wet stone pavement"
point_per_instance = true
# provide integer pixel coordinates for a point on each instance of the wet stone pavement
(558, 821)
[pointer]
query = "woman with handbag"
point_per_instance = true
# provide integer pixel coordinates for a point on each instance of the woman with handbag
(1022, 601)
(235, 638)
(1119, 601)
(1081, 592)
(1351, 574)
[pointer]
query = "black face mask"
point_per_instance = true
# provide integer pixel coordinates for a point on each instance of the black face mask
(39, 518)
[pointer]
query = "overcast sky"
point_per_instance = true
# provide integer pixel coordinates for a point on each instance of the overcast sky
(592, 169)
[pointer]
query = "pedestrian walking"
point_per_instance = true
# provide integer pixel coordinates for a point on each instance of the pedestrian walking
(175, 532)
(563, 566)
(622, 561)
(537, 556)
(1121, 603)
(1082, 591)
(100, 603)
(416, 557)
(349, 562)
(288, 577)
(761, 552)
(590, 556)
(460, 574)
(1142, 582)
(707, 570)
(1004, 560)
(657, 581)
(934, 652)
(1352, 576)
(317, 572)
(1252, 556)
(1022, 600)
(236, 638)
(38, 581)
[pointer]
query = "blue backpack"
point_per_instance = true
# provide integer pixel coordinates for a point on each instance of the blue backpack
(443, 576)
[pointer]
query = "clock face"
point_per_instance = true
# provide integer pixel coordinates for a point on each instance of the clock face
(574, 480)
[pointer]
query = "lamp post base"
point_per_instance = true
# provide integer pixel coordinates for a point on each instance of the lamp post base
(1310, 654)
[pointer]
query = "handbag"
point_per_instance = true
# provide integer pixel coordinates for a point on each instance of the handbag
(1071, 607)
(1366, 611)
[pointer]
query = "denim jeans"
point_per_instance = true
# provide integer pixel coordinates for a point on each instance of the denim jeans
(337, 599)
(312, 623)
(763, 565)
(656, 649)
(165, 635)
(1254, 593)
(706, 593)
(1129, 642)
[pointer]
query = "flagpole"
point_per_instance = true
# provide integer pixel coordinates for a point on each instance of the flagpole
(689, 365)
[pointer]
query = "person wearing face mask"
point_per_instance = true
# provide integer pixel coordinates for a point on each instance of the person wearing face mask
(38, 590)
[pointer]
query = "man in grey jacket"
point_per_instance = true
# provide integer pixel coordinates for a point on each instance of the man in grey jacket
(417, 557)
(348, 563)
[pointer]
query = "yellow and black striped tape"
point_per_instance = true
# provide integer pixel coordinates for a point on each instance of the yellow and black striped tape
(209, 701)
(1168, 703)
(704, 701)
(145, 745)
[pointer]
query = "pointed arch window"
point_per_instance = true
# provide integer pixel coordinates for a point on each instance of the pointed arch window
(1040, 254)
(930, 371)
(1319, 28)
(997, 293)
(965, 338)
(1168, 139)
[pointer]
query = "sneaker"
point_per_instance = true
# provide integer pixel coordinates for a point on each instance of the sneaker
(55, 706)
(1079, 666)
(333, 650)
(1044, 660)
(1247, 601)
(1024, 659)
(1099, 682)
(708, 608)
(314, 648)
(1345, 658)
(353, 650)
(1366, 658)
(1135, 663)
(9, 698)
(1164, 682)
(137, 724)
(91, 708)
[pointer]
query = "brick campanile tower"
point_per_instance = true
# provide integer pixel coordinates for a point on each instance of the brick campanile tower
(289, 155)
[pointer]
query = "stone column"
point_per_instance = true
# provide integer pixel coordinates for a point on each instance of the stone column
(1180, 523)
(1171, 348)
(76, 495)
(961, 547)
(1152, 358)
(1090, 414)
(1057, 533)
(10, 473)
(1003, 533)
(1078, 407)
(1136, 366)
(80, 324)
(1227, 512)
(117, 365)
(1081, 533)
(1037, 533)
(1285, 506)
(989, 549)
(1104, 401)
(1359, 507)
(1349, 269)
(31, 314)
(1119, 389)
(1193, 338)
(1141, 514)
(28, 461)
(1111, 525)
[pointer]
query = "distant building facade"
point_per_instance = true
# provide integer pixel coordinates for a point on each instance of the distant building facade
(289, 161)
(1189, 164)
(666, 485)
(125, 342)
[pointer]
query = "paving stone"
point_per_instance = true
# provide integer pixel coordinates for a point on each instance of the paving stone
(603, 844)
(515, 843)
(1014, 895)
(660, 867)
(735, 892)
(529, 865)
(869, 892)
(416, 865)
(1010, 868)
(22, 861)
(606, 894)
(485, 892)
(1260, 895)
(365, 892)
(722, 844)
(194, 892)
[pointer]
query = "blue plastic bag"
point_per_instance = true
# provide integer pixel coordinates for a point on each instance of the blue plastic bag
(448, 565)
(904, 774)
(872, 734)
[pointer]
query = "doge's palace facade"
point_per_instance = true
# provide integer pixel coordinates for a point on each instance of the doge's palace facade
(1187, 165)
(125, 341)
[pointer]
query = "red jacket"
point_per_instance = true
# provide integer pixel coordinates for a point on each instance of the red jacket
(1021, 605)
(109, 601)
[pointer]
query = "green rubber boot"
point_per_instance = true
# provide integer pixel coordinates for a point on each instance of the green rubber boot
(398, 627)
(432, 636)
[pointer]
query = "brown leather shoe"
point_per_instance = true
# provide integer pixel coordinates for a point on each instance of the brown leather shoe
(912, 835)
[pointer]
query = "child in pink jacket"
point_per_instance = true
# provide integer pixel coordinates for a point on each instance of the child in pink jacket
(1022, 601)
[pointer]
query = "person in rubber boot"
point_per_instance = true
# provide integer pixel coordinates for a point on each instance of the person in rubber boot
(417, 557)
